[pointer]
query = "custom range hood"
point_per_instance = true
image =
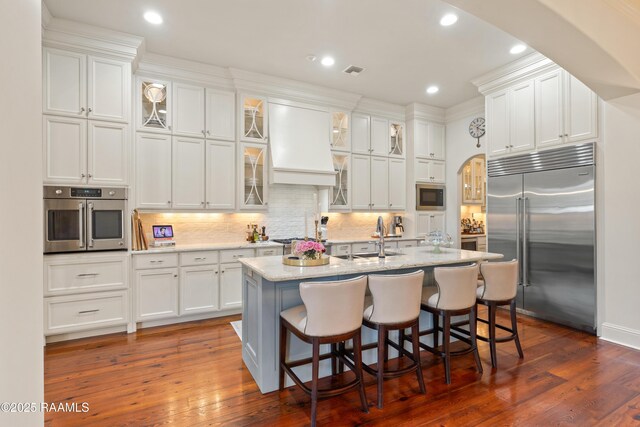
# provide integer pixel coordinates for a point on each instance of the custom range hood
(299, 140)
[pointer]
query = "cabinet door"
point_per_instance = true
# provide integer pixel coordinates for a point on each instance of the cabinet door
(379, 183)
(153, 171)
(422, 170)
(436, 222)
(397, 184)
(379, 136)
(153, 105)
(397, 147)
(437, 171)
(253, 176)
(199, 289)
(581, 111)
(422, 224)
(361, 182)
(549, 111)
(253, 118)
(230, 286)
(188, 173)
(467, 183)
(188, 110)
(64, 83)
(436, 138)
(340, 135)
(340, 193)
(421, 138)
(107, 153)
(478, 180)
(221, 175)
(65, 144)
(221, 114)
(156, 293)
(109, 89)
(497, 105)
(360, 134)
(522, 128)
(429, 222)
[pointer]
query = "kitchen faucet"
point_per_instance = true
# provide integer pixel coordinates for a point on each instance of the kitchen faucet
(380, 231)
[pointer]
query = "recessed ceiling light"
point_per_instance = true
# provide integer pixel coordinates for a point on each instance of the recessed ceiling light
(448, 19)
(328, 61)
(432, 89)
(153, 17)
(519, 48)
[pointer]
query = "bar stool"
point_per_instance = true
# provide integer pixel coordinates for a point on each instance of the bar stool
(499, 289)
(394, 304)
(455, 295)
(331, 313)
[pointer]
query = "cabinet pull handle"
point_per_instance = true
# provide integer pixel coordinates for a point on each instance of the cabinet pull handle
(566, 134)
(200, 258)
(159, 261)
(95, 310)
(87, 274)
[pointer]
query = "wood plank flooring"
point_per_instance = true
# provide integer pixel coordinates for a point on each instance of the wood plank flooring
(192, 375)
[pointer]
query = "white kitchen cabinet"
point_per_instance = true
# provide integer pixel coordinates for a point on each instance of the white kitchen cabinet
(429, 171)
(340, 193)
(220, 117)
(108, 146)
(429, 140)
(428, 222)
(153, 171)
(220, 175)
(522, 124)
(153, 101)
(188, 110)
(156, 293)
(269, 251)
(473, 181)
(397, 185)
(361, 182)
(379, 183)
(549, 109)
(188, 173)
(199, 289)
(230, 286)
(581, 110)
(379, 136)
(407, 244)
(253, 176)
(360, 133)
(498, 117)
(340, 249)
(340, 135)
(397, 139)
(83, 273)
(253, 118)
(363, 247)
(78, 85)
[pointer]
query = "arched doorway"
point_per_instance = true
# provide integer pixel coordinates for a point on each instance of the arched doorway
(471, 203)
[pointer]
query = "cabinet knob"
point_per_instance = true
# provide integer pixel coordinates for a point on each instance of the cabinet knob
(175, 275)
(202, 203)
(169, 202)
(560, 136)
(511, 146)
(90, 110)
(390, 204)
(82, 175)
(90, 176)
(208, 133)
(506, 146)
(81, 109)
(566, 134)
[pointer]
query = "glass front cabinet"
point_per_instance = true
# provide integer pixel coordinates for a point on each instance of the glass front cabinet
(253, 118)
(396, 140)
(340, 194)
(473, 181)
(340, 135)
(253, 176)
(153, 98)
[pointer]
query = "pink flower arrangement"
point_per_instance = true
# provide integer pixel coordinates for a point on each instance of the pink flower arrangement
(309, 249)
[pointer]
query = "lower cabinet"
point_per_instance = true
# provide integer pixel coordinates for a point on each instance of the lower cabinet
(230, 285)
(156, 293)
(75, 313)
(429, 222)
(199, 289)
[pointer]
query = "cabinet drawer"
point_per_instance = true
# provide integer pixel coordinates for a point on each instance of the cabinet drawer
(65, 275)
(269, 251)
(232, 256)
(88, 311)
(390, 245)
(199, 258)
(155, 261)
(340, 249)
(408, 244)
(363, 247)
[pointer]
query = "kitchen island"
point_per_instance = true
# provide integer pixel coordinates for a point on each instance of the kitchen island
(268, 287)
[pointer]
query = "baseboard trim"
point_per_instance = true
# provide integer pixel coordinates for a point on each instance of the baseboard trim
(621, 335)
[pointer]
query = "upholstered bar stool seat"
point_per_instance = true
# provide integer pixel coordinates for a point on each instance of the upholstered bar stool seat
(499, 288)
(331, 313)
(455, 295)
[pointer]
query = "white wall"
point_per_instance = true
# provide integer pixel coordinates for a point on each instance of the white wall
(621, 290)
(460, 148)
(21, 357)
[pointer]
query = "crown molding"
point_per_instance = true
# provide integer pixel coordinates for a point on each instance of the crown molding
(293, 90)
(472, 107)
(176, 69)
(381, 108)
(424, 112)
(60, 33)
(514, 72)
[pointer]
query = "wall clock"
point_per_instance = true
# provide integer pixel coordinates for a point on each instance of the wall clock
(476, 129)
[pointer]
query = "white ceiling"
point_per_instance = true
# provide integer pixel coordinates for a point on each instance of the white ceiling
(399, 42)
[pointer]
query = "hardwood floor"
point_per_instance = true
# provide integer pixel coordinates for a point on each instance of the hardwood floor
(192, 375)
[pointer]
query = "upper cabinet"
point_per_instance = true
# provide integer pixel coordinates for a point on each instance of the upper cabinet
(253, 176)
(397, 142)
(340, 193)
(153, 99)
(203, 112)
(510, 119)
(360, 135)
(473, 181)
(429, 140)
(379, 137)
(220, 110)
(253, 118)
(79, 85)
(340, 134)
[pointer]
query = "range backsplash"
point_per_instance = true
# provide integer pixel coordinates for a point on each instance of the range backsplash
(285, 218)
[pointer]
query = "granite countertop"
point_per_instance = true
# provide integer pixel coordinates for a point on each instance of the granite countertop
(208, 247)
(473, 234)
(272, 269)
(371, 239)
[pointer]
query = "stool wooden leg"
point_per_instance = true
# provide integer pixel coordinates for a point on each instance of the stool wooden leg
(342, 350)
(334, 350)
(492, 334)
(446, 344)
(357, 356)
(283, 354)
(473, 332)
(386, 346)
(416, 355)
(514, 328)
(401, 338)
(436, 327)
(315, 364)
(382, 345)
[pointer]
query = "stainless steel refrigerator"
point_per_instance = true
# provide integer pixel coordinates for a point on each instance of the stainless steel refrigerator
(540, 210)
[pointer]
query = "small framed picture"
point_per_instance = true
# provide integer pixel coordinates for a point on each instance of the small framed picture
(162, 231)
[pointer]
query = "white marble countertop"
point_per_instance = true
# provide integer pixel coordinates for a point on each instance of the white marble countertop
(208, 247)
(272, 269)
(371, 239)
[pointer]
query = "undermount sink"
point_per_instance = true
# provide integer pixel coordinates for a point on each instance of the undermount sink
(365, 255)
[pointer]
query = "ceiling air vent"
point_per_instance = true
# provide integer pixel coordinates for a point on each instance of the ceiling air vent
(353, 70)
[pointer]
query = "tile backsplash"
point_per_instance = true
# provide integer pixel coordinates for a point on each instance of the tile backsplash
(288, 205)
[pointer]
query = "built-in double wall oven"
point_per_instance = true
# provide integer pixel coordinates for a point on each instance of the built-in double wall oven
(78, 219)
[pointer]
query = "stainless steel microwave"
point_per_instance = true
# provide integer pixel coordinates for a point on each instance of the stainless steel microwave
(430, 197)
